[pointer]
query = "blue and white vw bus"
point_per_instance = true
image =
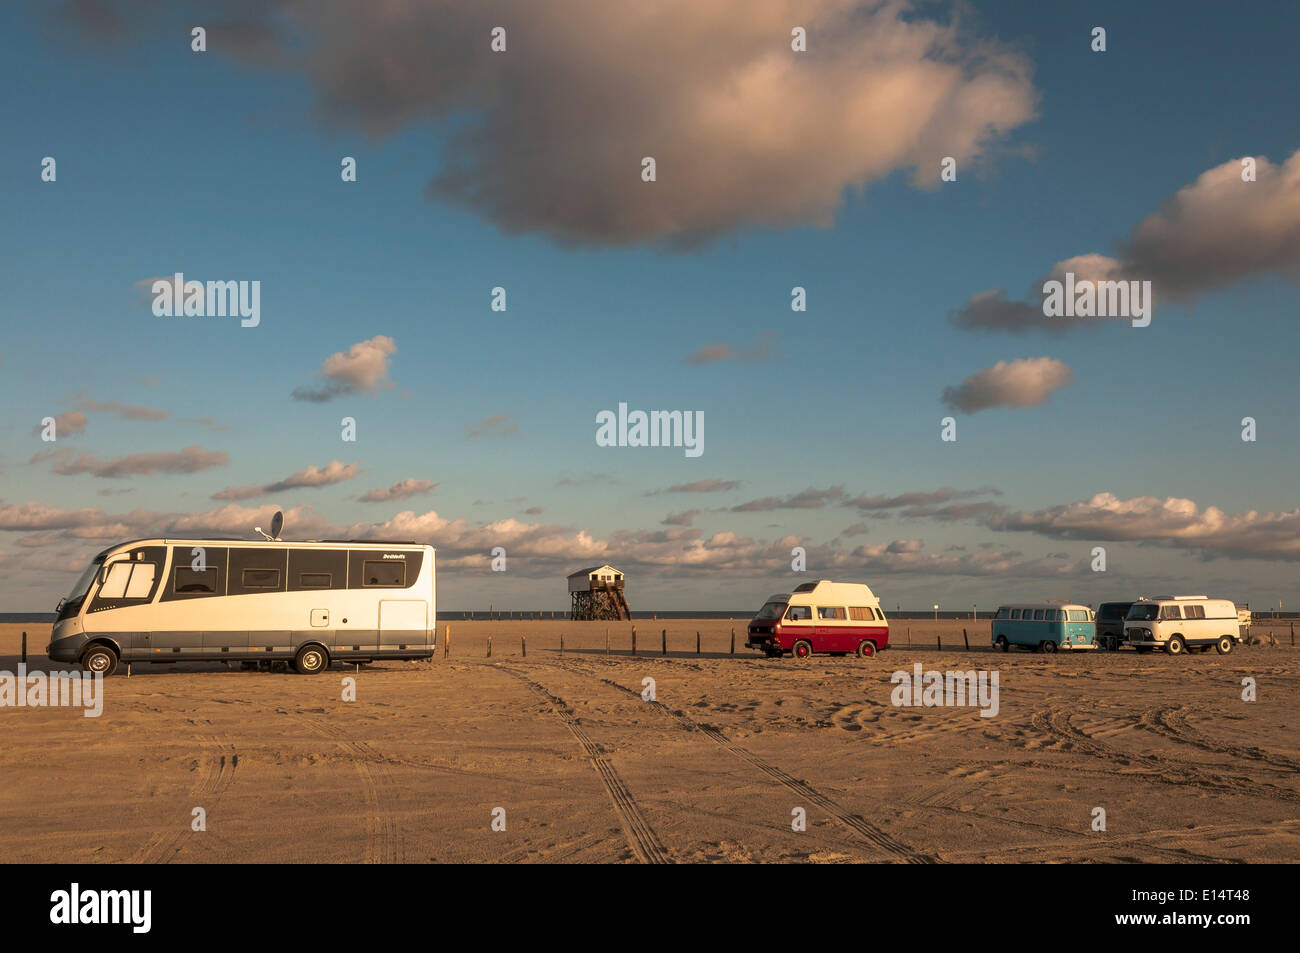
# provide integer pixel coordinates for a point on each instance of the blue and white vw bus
(1045, 626)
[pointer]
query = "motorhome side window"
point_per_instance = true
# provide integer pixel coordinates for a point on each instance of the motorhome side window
(1170, 612)
(261, 579)
(190, 581)
(798, 614)
(1195, 612)
(1015, 613)
(384, 572)
(830, 612)
(861, 614)
(1038, 615)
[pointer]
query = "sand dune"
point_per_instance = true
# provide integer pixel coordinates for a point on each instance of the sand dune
(587, 771)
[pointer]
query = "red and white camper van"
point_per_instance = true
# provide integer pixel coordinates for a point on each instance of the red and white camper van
(822, 616)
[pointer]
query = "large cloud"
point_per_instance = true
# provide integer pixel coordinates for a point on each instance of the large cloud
(1215, 232)
(1021, 383)
(1170, 521)
(362, 369)
(333, 472)
(549, 136)
(186, 460)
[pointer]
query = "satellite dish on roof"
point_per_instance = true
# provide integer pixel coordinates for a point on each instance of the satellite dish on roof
(277, 524)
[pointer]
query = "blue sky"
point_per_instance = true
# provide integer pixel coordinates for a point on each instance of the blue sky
(223, 168)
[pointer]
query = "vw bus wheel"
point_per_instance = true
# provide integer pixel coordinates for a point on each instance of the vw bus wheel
(1049, 647)
(99, 659)
(803, 649)
(310, 660)
(1224, 645)
(1176, 646)
(866, 648)
(1003, 644)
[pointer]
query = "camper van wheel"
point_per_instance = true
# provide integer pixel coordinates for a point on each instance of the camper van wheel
(803, 649)
(1224, 645)
(100, 659)
(1048, 647)
(1176, 646)
(1003, 644)
(310, 660)
(866, 648)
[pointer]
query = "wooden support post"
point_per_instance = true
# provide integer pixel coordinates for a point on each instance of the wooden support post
(938, 642)
(697, 641)
(634, 640)
(733, 641)
(446, 641)
(909, 636)
(965, 639)
(561, 645)
(664, 636)
(24, 658)
(489, 646)
(523, 644)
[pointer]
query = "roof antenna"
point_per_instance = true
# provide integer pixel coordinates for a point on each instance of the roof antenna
(277, 524)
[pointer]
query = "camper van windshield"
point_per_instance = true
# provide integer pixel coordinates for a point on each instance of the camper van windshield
(72, 604)
(1143, 613)
(771, 610)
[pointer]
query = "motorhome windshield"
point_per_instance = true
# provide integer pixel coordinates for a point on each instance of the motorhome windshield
(771, 610)
(72, 604)
(1144, 613)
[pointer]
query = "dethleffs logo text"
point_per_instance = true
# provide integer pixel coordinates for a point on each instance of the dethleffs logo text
(176, 297)
(102, 907)
(657, 428)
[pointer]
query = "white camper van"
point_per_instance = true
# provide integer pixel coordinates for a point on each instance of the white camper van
(1178, 624)
(172, 600)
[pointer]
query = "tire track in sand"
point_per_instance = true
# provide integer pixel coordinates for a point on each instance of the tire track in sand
(1171, 722)
(385, 843)
(641, 836)
(219, 762)
(868, 832)
(1055, 723)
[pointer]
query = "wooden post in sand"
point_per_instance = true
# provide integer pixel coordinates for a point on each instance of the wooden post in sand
(1292, 637)
(561, 644)
(24, 658)
(664, 646)
(938, 642)
(733, 641)
(489, 646)
(523, 644)
(446, 641)
(634, 640)
(909, 636)
(965, 639)
(607, 640)
(697, 641)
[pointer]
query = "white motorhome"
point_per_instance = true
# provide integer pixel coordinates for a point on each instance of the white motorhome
(171, 600)
(1178, 624)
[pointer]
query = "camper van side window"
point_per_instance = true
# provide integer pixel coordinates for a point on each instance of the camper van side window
(114, 586)
(261, 579)
(314, 580)
(798, 614)
(831, 612)
(381, 572)
(1038, 615)
(1170, 612)
(142, 577)
(197, 583)
(1015, 613)
(1195, 612)
(861, 613)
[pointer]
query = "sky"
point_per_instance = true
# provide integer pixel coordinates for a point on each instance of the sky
(522, 169)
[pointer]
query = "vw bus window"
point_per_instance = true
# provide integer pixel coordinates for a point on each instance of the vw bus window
(831, 612)
(799, 614)
(1015, 613)
(1171, 612)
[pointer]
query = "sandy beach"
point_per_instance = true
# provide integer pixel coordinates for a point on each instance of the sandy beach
(714, 769)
